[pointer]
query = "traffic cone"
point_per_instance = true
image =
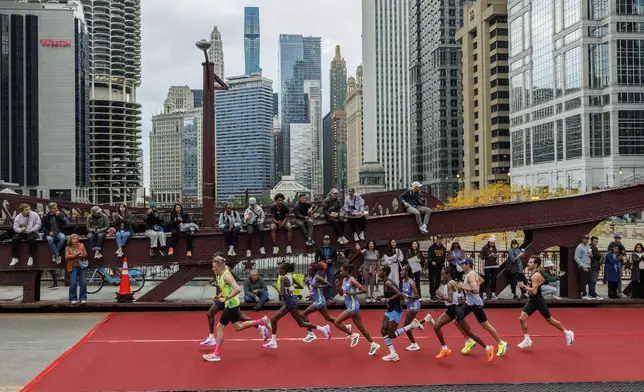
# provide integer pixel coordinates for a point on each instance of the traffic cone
(125, 292)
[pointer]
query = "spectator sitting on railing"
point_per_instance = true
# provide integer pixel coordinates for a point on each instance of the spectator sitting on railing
(179, 217)
(254, 220)
(551, 285)
(280, 220)
(26, 226)
(304, 218)
(230, 223)
(52, 225)
(332, 207)
(123, 226)
(414, 204)
(355, 214)
(97, 226)
(154, 229)
(255, 290)
(329, 255)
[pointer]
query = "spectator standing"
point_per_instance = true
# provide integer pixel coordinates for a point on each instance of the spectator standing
(355, 214)
(369, 268)
(154, 229)
(514, 266)
(416, 261)
(437, 254)
(280, 213)
(617, 241)
(613, 271)
(454, 258)
(77, 265)
(393, 257)
(123, 226)
(97, 225)
(491, 267)
(255, 290)
(230, 223)
(332, 207)
(595, 263)
(637, 271)
(304, 218)
(415, 204)
(52, 225)
(179, 218)
(25, 226)
(583, 254)
(254, 220)
(329, 255)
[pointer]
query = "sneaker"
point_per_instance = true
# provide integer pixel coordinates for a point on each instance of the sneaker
(422, 231)
(361, 236)
(309, 242)
(211, 357)
(248, 253)
(53, 286)
(415, 324)
(73, 302)
(355, 237)
(423, 227)
(355, 338)
(233, 252)
(309, 337)
(170, 251)
(413, 347)
(373, 348)
(393, 357)
(469, 345)
(270, 345)
(267, 323)
(598, 298)
(327, 332)
(263, 332)
(444, 354)
(527, 342)
(59, 259)
(161, 252)
(83, 302)
(30, 261)
(262, 251)
(288, 250)
(570, 337)
(209, 342)
(152, 252)
(494, 297)
(587, 297)
(276, 250)
(230, 250)
(501, 350)
(429, 319)
(348, 326)
(490, 353)
(14, 261)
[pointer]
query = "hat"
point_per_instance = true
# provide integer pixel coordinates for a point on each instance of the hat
(252, 200)
(548, 264)
(95, 209)
(466, 261)
(492, 238)
(352, 191)
(326, 237)
(416, 184)
(617, 236)
(585, 236)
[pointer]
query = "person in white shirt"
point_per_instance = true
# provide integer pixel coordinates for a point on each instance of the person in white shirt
(254, 221)
(26, 226)
(355, 214)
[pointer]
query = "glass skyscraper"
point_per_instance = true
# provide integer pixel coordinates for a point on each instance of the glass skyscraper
(190, 156)
(244, 142)
(251, 40)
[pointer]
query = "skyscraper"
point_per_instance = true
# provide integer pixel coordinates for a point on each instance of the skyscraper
(313, 91)
(216, 52)
(327, 152)
(338, 80)
(385, 55)
(339, 149)
(251, 40)
(436, 103)
(312, 56)
(302, 153)
(244, 144)
(353, 109)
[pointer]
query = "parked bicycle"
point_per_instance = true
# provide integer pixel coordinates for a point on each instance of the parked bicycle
(97, 278)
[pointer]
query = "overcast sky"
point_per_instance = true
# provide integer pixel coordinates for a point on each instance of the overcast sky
(170, 28)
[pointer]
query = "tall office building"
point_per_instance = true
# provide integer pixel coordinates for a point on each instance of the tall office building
(486, 121)
(313, 91)
(44, 100)
(244, 143)
(338, 80)
(216, 52)
(353, 108)
(312, 57)
(198, 98)
(385, 56)
(339, 149)
(302, 153)
(180, 98)
(327, 153)
(576, 88)
(251, 40)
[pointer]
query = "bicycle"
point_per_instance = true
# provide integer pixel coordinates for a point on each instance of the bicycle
(96, 279)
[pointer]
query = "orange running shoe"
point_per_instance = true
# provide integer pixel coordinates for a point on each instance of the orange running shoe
(170, 251)
(490, 354)
(444, 353)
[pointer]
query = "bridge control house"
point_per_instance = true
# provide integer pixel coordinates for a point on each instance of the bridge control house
(44, 99)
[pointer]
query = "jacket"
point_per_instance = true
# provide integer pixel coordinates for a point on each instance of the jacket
(595, 259)
(301, 210)
(254, 216)
(123, 223)
(154, 221)
(232, 219)
(437, 254)
(100, 224)
(250, 286)
(174, 225)
(613, 269)
(319, 254)
(486, 254)
(548, 277)
(635, 269)
(30, 223)
(71, 255)
(331, 205)
(512, 266)
(355, 205)
(412, 197)
(48, 220)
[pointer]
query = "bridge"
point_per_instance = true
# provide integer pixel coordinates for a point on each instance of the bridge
(546, 223)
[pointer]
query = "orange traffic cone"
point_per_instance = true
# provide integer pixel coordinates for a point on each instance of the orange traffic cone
(125, 292)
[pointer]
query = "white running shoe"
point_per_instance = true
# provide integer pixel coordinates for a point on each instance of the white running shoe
(288, 250)
(413, 347)
(270, 345)
(267, 323)
(263, 332)
(361, 236)
(570, 337)
(391, 357)
(348, 326)
(208, 342)
(355, 338)
(230, 250)
(30, 261)
(14, 261)
(74, 302)
(373, 348)
(356, 238)
(415, 324)
(527, 342)
(211, 357)
(309, 337)
(276, 250)
(327, 332)
(248, 253)
(262, 251)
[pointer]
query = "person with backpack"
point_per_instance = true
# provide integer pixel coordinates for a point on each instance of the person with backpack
(254, 220)
(230, 223)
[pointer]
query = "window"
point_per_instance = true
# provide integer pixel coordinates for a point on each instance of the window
(599, 65)
(599, 135)
(544, 143)
(573, 137)
(500, 145)
(517, 148)
(629, 7)
(631, 132)
(630, 62)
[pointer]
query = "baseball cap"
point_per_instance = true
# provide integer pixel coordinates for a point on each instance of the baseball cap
(617, 236)
(548, 263)
(466, 261)
(417, 184)
(326, 237)
(252, 200)
(585, 236)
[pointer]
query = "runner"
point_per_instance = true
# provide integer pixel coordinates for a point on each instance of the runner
(351, 288)
(453, 312)
(317, 282)
(474, 304)
(410, 292)
(291, 304)
(536, 302)
(231, 314)
(389, 329)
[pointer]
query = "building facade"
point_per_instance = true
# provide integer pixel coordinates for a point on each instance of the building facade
(486, 95)
(338, 81)
(180, 98)
(191, 159)
(353, 110)
(327, 153)
(198, 98)
(216, 52)
(251, 40)
(576, 90)
(385, 56)
(302, 153)
(44, 120)
(245, 137)
(313, 91)
(339, 158)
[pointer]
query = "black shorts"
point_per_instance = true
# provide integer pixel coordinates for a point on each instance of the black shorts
(453, 311)
(540, 305)
(230, 315)
(218, 306)
(478, 311)
(291, 303)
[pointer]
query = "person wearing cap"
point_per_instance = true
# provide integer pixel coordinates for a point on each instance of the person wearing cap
(304, 218)
(332, 207)
(254, 220)
(617, 241)
(414, 204)
(97, 226)
(551, 284)
(355, 214)
(328, 254)
(582, 257)
(490, 255)
(154, 229)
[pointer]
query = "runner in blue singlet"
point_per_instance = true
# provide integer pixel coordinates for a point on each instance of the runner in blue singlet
(410, 293)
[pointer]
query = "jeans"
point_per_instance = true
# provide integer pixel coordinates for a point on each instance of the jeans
(587, 279)
(31, 245)
(77, 277)
(256, 228)
(56, 247)
(338, 224)
(357, 225)
(96, 240)
(121, 237)
(157, 238)
(417, 211)
(187, 236)
(328, 275)
(306, 226)
(490, 280)
(551, 289)
(434, 277)
(263, 297)
(231, 235)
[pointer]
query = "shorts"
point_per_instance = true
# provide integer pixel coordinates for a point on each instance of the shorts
(230, 315)
(352, 305)
(413, 306)
(218, 306)
(319, 304)
(394, 316)
(478, 311)
(291, 303)
(453, 311)
(540, 306)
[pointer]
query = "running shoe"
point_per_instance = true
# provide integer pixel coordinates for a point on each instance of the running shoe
(527, 342)
(208, 342)
(503, 347)
(570, 337)
(373, 348)
(444, 354)
(327, 332)
(469, 345)
(393, 357)
(348, 327)
(267, 323)
(354, 339)
(309, 337)
(490, 353)
(263, 332)
(413, 347)
(416, 324)
(211, 357)
(429, 319)
(270, 345)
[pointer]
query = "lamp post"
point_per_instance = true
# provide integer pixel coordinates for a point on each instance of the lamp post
(208, 138)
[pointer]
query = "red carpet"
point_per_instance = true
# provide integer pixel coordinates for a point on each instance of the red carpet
(160, 351)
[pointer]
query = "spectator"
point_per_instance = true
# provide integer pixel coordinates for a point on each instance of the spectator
(415, 204)
(454, 259)
(595, 263)
(97, 226)
(613, 270)
(622, 251)
(637, 271)
(329, 255)
(304, 218)
(26, 226)
(437, 254)
(332, 207)
(514, 269)
(154, 229)
(355, 214)
(230, 223)
(52, 225)
(491, 267)
(179, 218)
(552, 281)
(254, 220)
(77, 265)
(123, 226)
(255, 290)
(393, 257)
(583, 254)
(416, 261)
(369, 268)
(280, 221)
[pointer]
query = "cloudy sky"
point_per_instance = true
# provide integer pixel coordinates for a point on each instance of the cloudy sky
(170, 28)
